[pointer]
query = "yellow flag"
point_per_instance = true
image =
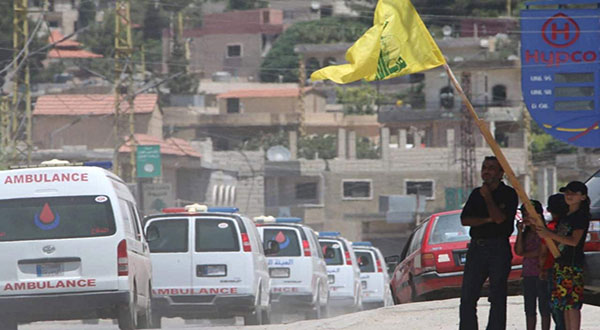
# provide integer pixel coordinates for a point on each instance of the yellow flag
(397, 44)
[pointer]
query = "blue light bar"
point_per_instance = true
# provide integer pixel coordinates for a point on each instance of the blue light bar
(105, 164)
(362, 244)
(329, 233)
(288, 220)
(223, 209)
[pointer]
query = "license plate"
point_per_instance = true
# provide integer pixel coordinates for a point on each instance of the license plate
(49, 270)
(463, 258)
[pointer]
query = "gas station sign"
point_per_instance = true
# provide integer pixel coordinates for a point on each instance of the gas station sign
(560, 58)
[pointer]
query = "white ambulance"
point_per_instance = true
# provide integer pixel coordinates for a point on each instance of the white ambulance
(297, 269)
(345, 290)
(375, 281)
(208, 263)
(71, 247)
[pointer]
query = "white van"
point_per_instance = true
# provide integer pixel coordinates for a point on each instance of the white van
(345, 290)
(298, 271)
(375, 281)
(71, 247)
(208, 263)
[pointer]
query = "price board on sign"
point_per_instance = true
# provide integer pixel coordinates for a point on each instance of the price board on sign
(560, 69)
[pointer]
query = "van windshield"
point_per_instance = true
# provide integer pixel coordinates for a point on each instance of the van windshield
(216, 235)
(337, 257)
(289, 245)
(55, 218)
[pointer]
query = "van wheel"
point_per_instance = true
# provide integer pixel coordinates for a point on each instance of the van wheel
(8, 323)
(315, 312)
(255, 318)
(266, 316)
(144, 321)
(127, 314)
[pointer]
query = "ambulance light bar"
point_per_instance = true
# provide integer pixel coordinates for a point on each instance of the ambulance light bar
(329, 233)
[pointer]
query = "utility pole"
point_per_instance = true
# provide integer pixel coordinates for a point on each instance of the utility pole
(301, 105)
(467, 140)
(19, 116)
(124, 83)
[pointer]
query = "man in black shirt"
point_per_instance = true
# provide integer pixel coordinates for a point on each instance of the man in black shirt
(490, 212)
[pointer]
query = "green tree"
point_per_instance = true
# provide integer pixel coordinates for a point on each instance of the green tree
(87, 13)
(367, 149)
(317, 146)
(545, 147)
(359, 100)
(282, 61)
(184, 83)
(246, 4)
(155, 20)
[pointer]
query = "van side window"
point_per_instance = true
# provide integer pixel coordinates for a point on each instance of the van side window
(172, 236)
(137, 225)
(317, 245)
(127, 221)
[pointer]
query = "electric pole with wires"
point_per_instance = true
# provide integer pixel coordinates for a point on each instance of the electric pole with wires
(124, 85)
(467, 141)
(16, 127)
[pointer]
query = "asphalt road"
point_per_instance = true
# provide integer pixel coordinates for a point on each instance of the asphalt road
(442, 315)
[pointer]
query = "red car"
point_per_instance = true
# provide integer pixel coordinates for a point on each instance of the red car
(432, 262)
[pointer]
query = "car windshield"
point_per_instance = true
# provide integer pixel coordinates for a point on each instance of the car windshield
(337, 257)
(289, 245)
(447, 228)
(55, 218)
(216, 235)
(365, 261)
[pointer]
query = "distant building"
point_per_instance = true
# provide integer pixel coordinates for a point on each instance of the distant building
(88, 119)
(61, 14)
(233, 42)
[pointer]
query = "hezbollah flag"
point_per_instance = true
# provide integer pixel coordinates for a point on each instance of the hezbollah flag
(397, 44)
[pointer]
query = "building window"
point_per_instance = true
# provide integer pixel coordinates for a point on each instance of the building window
(233, 105)
(288, 14)
(357, 189)
(499, 95)
(234, 50)
(266, 17)
(447, 97)
(420, 187)
(306, 191)
(53, 24)
(326, 11)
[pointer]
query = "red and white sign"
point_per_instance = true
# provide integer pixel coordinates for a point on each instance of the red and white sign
(45, 285)
(46, 178)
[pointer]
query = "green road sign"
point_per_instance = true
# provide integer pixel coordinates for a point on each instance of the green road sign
(148, 161)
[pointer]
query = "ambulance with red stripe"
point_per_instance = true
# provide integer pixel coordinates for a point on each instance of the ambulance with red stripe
(208, 263)
(297, 267)
(71, 247)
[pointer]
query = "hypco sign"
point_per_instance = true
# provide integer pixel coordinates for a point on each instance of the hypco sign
(559, 60)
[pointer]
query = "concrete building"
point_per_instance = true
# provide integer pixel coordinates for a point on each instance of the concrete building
(88, 119)
(61, 14)
(233, 42)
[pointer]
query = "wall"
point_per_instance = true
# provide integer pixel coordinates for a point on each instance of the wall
(209, 54)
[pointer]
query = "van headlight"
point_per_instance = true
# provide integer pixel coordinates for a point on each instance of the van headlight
(279, 272)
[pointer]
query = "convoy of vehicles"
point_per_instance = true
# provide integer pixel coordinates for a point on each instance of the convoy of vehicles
(74, 246)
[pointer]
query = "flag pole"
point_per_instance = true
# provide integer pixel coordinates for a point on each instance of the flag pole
(501, 159)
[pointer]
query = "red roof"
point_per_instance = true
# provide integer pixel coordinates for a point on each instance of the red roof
(72, 53)
(171, 146)
(90, 104)
(56, 36)
(270, 93)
